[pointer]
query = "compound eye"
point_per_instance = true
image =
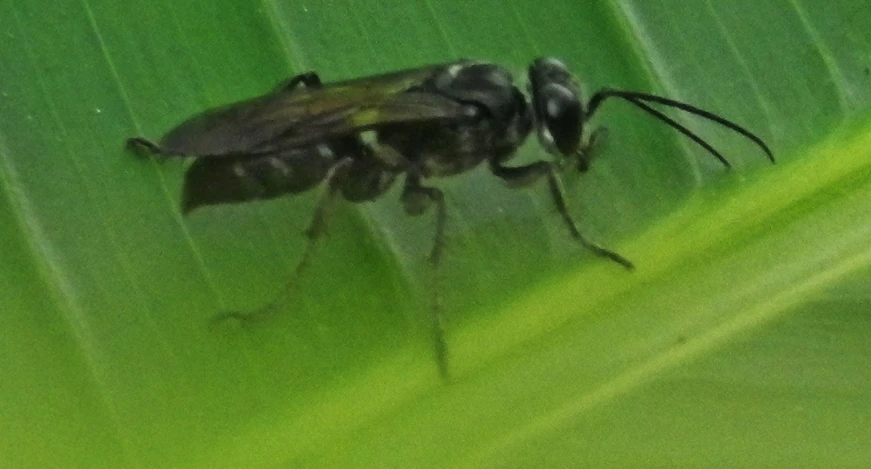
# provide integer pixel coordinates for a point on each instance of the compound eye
(560, 114)
(555, 97)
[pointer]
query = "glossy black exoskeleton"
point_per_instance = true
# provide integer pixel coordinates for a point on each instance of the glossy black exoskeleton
(357, 137)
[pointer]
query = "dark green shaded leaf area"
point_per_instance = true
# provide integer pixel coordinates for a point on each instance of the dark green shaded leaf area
(739, 341)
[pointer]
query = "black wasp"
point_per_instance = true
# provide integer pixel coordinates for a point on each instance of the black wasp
(356, 137)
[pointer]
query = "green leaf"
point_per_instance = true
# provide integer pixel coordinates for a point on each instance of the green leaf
(738, 341)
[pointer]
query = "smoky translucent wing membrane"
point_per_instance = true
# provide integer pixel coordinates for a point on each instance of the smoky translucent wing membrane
(223, 131)
(295, 117)
(363, 114)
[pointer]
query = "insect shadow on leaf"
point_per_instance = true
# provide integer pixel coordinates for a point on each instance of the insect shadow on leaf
(356, 137)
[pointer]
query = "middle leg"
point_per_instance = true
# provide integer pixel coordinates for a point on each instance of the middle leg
(417, 199)
(315, 231)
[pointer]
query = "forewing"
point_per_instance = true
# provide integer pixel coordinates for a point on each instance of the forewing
(224, 131)
(295, 118)
(405, 108)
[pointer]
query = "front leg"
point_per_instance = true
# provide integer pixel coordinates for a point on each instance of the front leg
(593, 147)
(524, 175)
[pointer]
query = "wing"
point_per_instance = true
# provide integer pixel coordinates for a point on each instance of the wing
(307, 116)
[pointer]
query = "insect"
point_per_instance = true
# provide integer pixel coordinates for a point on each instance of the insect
(357, 137)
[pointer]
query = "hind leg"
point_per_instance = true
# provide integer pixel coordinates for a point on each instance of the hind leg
(315, 231)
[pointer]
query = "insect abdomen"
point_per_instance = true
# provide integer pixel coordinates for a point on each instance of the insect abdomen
(215, 181)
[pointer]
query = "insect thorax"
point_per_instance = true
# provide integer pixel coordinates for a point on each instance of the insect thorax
(446, 149)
